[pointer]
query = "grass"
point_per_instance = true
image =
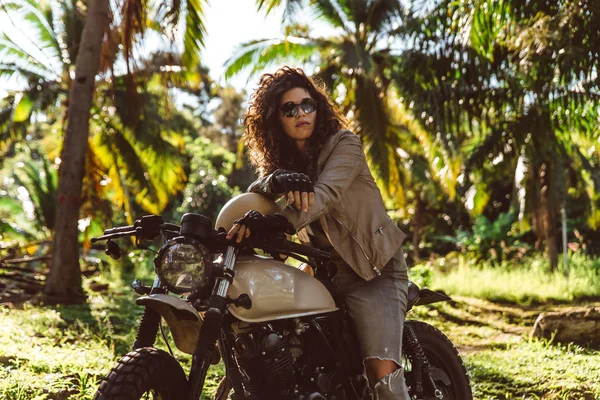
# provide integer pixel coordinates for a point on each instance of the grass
(535, 369)
(63, 352)
(525, 283)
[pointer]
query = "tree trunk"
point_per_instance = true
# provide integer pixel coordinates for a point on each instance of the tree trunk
(577, 325)
(548, 213)
(64, 280)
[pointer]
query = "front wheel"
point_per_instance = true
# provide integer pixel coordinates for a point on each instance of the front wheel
(447, 369)
(145, 373)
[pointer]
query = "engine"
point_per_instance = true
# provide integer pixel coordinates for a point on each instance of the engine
(267, 363)
(276, 364)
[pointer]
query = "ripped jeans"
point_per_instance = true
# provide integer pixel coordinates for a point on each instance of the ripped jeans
(377, 309)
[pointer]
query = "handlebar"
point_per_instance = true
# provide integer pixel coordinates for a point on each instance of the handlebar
(147, 227)
(114, 235)
(119, 229)
(150, 226)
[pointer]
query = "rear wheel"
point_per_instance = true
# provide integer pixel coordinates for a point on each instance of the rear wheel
(447, 369)
(145, 373)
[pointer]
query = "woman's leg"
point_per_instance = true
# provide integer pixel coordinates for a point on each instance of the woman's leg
(377, 308)
(377, 369)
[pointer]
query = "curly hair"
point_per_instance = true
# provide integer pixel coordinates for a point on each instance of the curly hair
(269, 148)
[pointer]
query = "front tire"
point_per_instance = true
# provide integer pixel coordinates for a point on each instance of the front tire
(448, 371)
(144, 372)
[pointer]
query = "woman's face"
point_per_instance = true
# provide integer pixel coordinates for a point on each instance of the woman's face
(297, 115)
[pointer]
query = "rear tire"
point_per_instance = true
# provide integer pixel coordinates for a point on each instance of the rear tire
(144, 371)
(444, 358)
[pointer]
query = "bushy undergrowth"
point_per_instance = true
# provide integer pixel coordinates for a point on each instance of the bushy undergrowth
(529, 281)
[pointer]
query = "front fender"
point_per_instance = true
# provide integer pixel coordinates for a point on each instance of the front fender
(183, 319)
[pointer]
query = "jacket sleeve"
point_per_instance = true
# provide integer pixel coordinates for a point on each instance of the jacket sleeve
(263, 186)
(341, 168)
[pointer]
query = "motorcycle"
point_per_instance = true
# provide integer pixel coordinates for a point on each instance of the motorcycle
(280, 332)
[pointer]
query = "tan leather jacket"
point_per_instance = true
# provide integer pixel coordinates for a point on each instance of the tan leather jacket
(349, 206)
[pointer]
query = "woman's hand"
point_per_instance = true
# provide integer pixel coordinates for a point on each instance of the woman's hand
(253, 221)
(297, 187)
(240, 230)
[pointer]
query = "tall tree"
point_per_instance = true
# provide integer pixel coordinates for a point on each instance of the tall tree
(64, 280)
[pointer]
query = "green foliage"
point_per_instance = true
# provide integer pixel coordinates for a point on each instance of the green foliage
(421, 275)
(207, 190)
(493, 241)
(40, 181)
(28, 205)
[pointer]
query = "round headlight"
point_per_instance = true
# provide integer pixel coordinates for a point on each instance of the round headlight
(182, 265)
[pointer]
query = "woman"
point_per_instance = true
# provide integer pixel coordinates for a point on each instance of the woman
(294, 136)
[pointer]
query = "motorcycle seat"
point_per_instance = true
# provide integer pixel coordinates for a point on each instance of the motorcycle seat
(413, 295)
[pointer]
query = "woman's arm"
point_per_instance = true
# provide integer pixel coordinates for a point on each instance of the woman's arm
(263, 186)
(342, 167)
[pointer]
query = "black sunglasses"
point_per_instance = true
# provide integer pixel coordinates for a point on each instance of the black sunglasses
(290, 109)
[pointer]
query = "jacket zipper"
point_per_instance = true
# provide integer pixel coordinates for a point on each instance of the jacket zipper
(359, 246)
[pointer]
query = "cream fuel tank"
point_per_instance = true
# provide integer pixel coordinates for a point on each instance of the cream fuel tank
(277, 290)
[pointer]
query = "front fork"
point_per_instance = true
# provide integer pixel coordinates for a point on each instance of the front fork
(150, 322)
(211, 327)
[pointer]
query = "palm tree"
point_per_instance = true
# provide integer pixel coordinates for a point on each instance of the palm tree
(63, 283)
(134, 20)
(493, 80)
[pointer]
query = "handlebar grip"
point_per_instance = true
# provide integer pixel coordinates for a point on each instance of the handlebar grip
(302, 249)
(119, 229)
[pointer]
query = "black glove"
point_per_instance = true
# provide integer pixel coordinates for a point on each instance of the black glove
(289, 181)
(265, 224)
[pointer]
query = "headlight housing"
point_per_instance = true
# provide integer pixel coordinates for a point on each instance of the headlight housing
(183, 265)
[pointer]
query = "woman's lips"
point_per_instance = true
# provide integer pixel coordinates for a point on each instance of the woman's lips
(303, 123)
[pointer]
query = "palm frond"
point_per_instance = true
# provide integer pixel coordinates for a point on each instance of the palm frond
(291, 7)
(8, 70)
(14, 54)
(14, 222)
(259, 54)
(330, 12)
(40, 183)
(195, 30)
(134, 21)
(37, 15)
(382, 14)
(373, 125)
(23, 109)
